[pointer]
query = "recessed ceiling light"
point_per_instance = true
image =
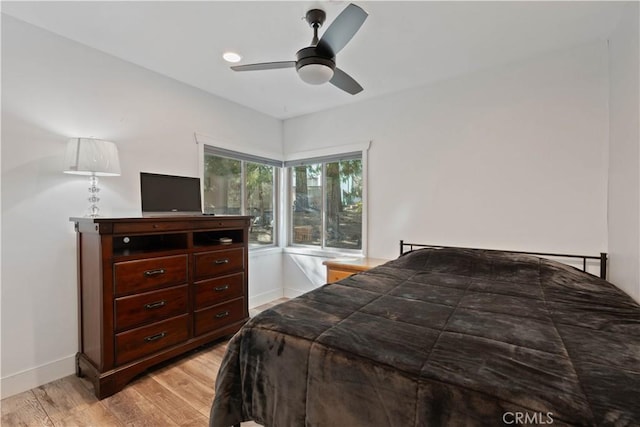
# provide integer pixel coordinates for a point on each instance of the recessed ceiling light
(231, 57)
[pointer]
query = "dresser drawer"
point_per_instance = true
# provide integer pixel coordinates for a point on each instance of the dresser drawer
(141, 275)
(222, 223)
(150, 307)
(215, 291)
(143, 341)
(144, 227)
(209, 264)
(218, 316)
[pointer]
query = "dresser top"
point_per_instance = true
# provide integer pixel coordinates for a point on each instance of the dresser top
(171, 223)
(156, 218)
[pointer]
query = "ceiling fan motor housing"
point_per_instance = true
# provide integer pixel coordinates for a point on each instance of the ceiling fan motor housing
(310, 55)
(314, 68)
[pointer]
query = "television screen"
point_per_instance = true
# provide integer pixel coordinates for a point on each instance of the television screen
(169, 193)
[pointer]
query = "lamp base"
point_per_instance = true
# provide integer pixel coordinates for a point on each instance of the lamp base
(94, 210)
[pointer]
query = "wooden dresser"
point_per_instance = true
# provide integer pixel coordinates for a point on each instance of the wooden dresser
(153, 288)
(338, 269)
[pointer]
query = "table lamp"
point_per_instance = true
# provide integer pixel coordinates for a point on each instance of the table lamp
(92, 157)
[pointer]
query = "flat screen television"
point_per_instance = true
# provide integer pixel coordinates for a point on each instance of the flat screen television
(169, 194)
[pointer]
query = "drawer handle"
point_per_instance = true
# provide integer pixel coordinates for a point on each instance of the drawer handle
(155, 337)
(156, 304)
(151, 273)
(222, 261)
(223, 314)
(221, 288)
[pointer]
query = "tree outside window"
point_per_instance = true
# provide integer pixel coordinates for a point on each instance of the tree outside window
(239, 187)
(344, 204)
(327, 204)
(260, 196)
(307, 205)
(222, 185)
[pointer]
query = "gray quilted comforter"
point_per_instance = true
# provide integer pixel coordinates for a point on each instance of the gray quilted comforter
(440, 337)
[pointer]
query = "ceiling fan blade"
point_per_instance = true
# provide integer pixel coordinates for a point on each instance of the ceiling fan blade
(264, 66)
(342, 29)
(345, 82)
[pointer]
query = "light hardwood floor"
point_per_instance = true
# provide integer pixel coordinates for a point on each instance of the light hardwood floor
(178, 393)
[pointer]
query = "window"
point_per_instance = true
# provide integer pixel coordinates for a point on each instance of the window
(240, 184)
(326, 202)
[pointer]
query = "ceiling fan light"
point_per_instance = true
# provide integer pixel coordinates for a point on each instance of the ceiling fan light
(315, 74)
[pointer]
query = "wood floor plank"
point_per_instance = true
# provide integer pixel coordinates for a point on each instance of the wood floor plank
(208, 369)
(174, 406)
(132, 409)
(24, 409)
(64, 397)
(95, 415)
(198, 395)
(200, 422)
(212, 357)
(200, 370)
(220, 351)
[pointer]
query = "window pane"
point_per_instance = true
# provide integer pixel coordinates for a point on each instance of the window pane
(344, 204)
(260, 196)
(222, 185)
(307, 204)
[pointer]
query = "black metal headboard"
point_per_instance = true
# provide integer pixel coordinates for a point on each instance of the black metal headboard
(404, 247)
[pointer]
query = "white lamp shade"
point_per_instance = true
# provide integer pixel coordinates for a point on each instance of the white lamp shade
(315, 74)
(88, 156)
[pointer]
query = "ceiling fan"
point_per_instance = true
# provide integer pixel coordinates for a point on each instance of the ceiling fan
(316, 64)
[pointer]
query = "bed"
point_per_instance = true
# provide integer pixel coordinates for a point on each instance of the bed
(440, 336)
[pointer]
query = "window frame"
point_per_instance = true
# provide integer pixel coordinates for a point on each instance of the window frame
(244, 158)
(283, 215)
(288, 185)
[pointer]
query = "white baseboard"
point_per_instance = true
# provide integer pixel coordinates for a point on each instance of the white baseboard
(35, 377)
(265, 297)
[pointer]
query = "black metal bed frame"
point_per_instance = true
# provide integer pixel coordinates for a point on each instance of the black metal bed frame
(602, 258)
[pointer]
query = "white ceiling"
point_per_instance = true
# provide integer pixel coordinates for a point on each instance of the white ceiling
(401, 45)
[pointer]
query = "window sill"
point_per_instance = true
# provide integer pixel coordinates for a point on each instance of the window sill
(294, 250)
(263, 250)
(324, 253)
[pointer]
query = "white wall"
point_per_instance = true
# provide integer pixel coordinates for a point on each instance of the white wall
(265, 276)
(512, 158)
(624, 157)
(53, 89)
(302, 273)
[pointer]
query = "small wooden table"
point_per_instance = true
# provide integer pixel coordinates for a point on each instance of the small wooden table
(338, 269)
